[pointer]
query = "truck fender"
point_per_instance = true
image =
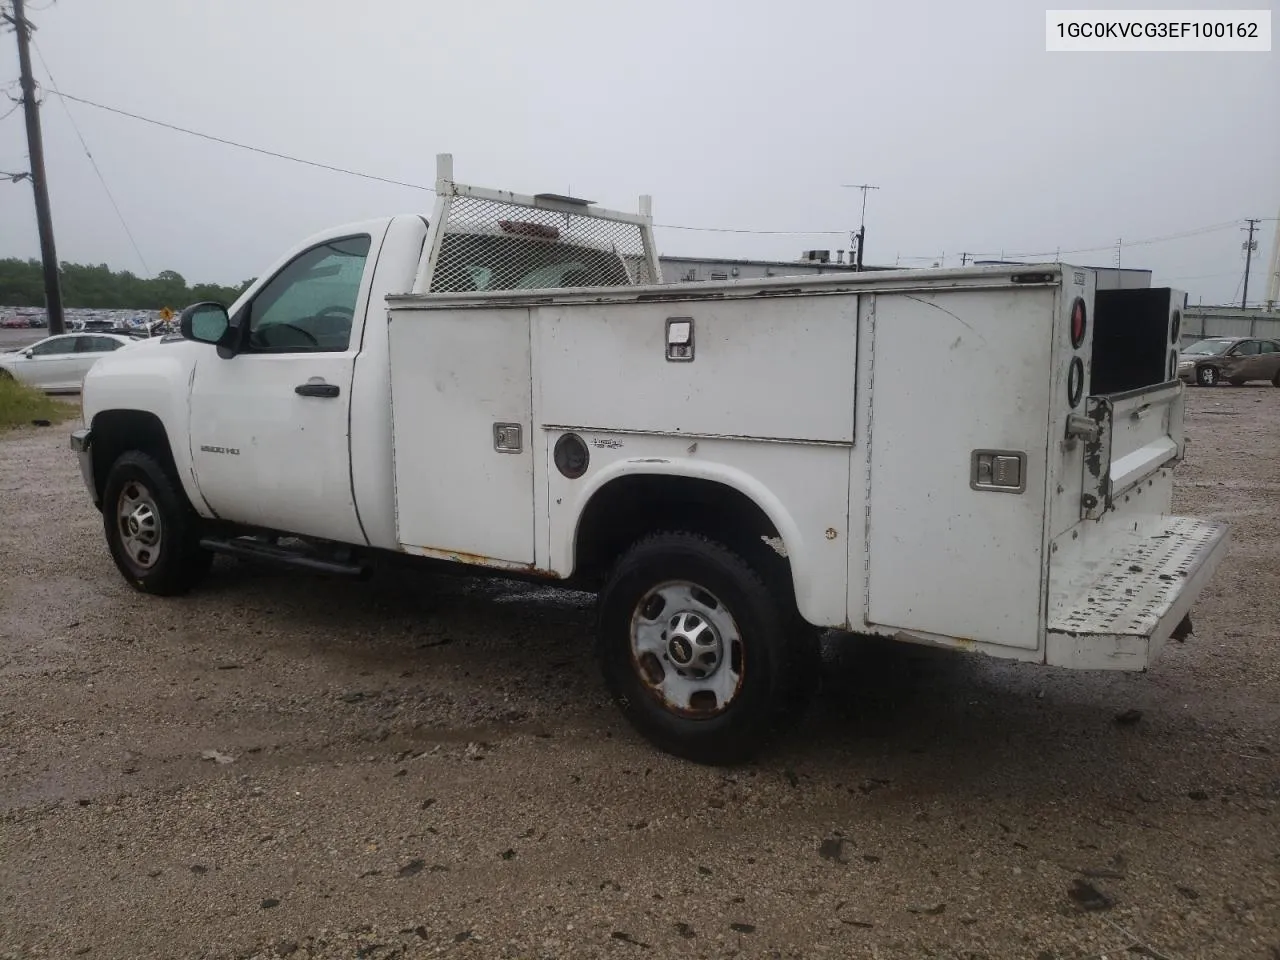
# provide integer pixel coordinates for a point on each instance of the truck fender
(793, 542)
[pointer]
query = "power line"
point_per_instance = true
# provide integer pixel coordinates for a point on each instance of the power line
(17, 105)
(380, 179)
(1211, 228)
(242, 146)
(53, 84)
(665, 226)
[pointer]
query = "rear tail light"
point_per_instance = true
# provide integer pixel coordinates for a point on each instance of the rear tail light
(1079, 322)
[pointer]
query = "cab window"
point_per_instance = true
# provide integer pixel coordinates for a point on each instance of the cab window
(97, 345)
(54, 347)
(309, 306)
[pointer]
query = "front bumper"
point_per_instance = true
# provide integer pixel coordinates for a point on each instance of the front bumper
(80, 443)
(1187, 374)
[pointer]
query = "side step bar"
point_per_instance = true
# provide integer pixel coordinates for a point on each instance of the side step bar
(246, 548)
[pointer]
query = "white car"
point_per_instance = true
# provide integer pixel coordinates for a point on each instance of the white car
(61, 362)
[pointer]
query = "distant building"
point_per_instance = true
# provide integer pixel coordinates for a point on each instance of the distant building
(1200, 321)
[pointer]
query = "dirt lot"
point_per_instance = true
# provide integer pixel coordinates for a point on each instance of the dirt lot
(427, 765)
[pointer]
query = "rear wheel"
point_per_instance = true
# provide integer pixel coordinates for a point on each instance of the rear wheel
(151, 529)
(1207, 376)
(697, 651)
(1275, 381)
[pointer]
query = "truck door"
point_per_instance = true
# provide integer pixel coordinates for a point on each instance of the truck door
(1246, 361)
(270, 426)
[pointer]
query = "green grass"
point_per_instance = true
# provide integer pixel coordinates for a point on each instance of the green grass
(20, 405)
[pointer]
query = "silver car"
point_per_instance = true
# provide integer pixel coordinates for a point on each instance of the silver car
(57, 364)
(1236, 360)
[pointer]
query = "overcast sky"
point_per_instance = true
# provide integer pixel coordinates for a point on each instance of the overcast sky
(731, 113)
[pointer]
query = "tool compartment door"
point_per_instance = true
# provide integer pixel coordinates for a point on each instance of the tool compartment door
(462, 417)
(957, 373)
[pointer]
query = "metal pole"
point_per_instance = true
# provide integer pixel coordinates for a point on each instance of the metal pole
(1273, 277)
(1248, 258)
(35, 147)
(862, 226)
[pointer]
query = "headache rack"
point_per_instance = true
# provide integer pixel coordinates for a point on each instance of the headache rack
(480, 239)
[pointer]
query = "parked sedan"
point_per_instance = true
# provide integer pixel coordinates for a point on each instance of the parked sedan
(1235, 359)
(59, 363)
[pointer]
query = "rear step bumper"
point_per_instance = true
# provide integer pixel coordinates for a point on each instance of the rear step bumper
(1118, 614)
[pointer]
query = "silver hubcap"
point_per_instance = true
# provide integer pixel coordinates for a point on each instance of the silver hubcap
(687, 649)
(139, 521)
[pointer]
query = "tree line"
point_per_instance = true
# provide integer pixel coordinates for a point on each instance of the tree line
(85, 285)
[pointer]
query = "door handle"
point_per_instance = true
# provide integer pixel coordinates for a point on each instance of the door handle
(317, 389)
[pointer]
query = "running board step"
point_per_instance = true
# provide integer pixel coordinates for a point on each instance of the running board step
(245, 548)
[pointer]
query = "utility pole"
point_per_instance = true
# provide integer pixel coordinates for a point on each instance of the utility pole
(861, 235)
(1249, 246)
(35, 147)
(964, 259)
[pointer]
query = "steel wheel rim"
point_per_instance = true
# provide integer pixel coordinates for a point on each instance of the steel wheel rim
(138, 521)
(686, 649)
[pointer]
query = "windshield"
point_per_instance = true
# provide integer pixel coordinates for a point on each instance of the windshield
(1209, 348)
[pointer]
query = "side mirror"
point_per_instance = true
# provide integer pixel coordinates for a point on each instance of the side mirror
(205, 322)
(28, 353)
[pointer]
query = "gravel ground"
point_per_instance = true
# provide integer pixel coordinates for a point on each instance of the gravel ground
(426, 765)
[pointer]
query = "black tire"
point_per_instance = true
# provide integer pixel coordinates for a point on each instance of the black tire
(775, 664)
(177, 563)
(1275, 381)
(1207, 376)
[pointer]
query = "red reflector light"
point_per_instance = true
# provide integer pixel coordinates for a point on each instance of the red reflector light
(526, 229)
(1077, 323)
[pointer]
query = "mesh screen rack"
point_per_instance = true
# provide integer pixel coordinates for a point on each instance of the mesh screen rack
(481, 239)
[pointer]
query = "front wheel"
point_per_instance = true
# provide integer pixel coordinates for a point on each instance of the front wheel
(151, 530)
(694, 648)
(1207, 376)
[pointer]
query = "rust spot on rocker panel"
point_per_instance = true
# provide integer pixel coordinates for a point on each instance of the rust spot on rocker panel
(478, 560)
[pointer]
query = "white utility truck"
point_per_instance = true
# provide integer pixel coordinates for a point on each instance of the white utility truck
(973, 458)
